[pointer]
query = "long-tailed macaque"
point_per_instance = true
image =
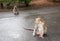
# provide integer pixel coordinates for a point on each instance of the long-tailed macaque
(15, 10)
(40, 27)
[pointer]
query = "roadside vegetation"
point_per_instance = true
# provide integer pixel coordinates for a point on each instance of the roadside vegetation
(10, 3)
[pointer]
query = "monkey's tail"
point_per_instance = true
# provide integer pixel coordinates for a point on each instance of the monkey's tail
(29, 29)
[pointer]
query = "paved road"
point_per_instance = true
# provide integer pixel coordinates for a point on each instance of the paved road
(12, 27)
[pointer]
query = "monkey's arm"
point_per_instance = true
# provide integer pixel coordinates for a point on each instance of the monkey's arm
(35, 29)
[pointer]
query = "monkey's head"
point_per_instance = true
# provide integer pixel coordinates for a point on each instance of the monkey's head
(38, 18)
(15, 7)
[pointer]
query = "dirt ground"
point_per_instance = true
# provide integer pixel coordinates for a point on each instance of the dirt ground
(40, 2)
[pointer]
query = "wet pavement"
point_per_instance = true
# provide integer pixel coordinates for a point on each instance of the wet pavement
(12, 27)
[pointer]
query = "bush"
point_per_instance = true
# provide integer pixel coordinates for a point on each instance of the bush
(26, 2)
(9, 2)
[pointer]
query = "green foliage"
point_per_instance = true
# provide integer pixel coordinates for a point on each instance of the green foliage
(5, 1)
(8, 2)
(27, 2)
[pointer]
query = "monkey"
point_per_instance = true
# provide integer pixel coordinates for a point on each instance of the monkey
(40, 27)
(15, 10)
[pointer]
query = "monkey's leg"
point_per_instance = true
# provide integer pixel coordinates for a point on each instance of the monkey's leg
(34, 32)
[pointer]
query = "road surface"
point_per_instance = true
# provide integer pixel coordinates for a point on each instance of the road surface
(12, 26)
